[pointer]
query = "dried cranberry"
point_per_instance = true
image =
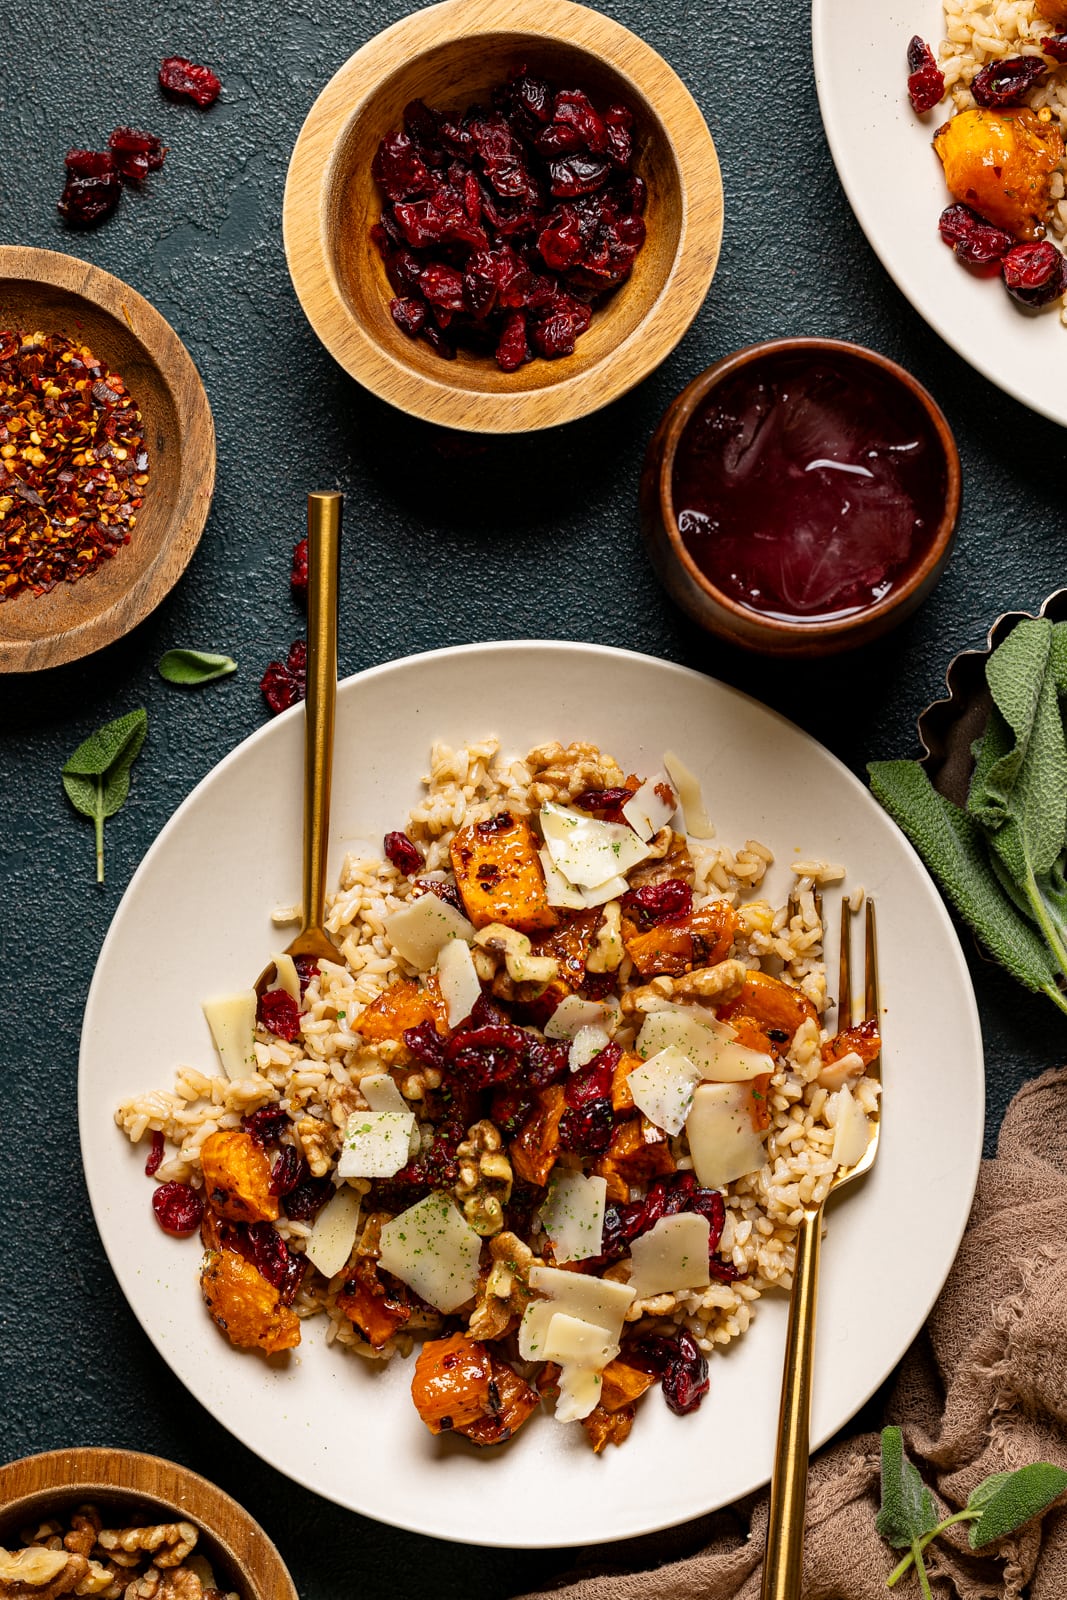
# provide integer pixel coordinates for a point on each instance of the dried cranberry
(266, 1124)
(593, 1081)
(399, 170)
(577, 174)
(288, 1170)
(561, 243)
(510, 1107)
(271, 1257)
(1056, 46)
(92, 190)
(179, 1210)
(304, 1202)
(486, 1056)
(604, 803)
(512, 349)
(926, 81)
(975, 241)
(530, 98)
(183, 78)
(421, 124)
(618, 120)
(284, 684)
(1007, 82)
(298, 577)
(724, 1271)
(444, 891)
(597, 985)
(409, 315)
(403, 853)
(587, 1130)
(306, 969)
(1035, 274)
(442, 286)
(426, 1045)
(136, 153)
(547, 1062)
(685, 1378)
(709, 1203)
(439, 1163)
(669, 901)
(155, 1155)
(279, 1012)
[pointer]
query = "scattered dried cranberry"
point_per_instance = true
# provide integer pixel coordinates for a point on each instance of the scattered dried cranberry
(486, 1056)
(597, 985)
(288, 1170)
(155, 1155)
(136, 153)
(179, 1210)
(1056, 46)
(588, 1129)
(183, 78)
(304, 1202)
(724, 1271)
(975, 241)
(298, 577)
(685, 1378)
(547, 1062)
(270, 1255)
(593, 1081)
(426, 1045)
(306, 968)
(926, 81)
(266, 1124)
(604, 803)
(284, 684)
(510, 1108)
(1008, 82)
(403, 853)
(278, 1011)
(92, 190)
(669, 901)
(1035, 274)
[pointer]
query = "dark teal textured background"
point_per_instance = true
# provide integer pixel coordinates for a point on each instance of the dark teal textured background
(449, 540)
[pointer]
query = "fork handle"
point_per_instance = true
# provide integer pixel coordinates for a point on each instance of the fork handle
(783, 1564)
(324, 543)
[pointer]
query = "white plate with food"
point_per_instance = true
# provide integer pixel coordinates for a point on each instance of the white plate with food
(896, 184)
(196, 922)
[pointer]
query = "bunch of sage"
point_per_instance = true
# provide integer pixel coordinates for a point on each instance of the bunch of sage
(1002, 860)
(97, 776)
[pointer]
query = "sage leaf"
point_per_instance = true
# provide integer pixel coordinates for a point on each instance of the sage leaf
(194, 667)
(952, 844)
(1018, 1496)
(908, 1511)
(983, 1492)
(97, 776)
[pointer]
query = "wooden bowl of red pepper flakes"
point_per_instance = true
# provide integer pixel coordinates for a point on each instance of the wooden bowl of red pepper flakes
(154, 483)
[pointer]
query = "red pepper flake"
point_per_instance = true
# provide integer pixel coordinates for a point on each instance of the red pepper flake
(183, 78)
(73, 463)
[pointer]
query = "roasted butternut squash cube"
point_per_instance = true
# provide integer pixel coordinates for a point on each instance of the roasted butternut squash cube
(605, 1427)
(775, 1007)
(1001, 163)
(450, 1386)
(638, 1152)
(569, 943)
(499, 875)
(534, 1150)
(402, 1005)
(245, 1306)
(863, 1040)
(671, 948)
(376, 1310)
(237, 1178)
(511, 1402)
(621, 1385)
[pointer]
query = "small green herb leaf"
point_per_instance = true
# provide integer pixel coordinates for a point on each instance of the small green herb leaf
(194, 667)
(908, 1511)
(983, 1492)
(1017, 1497)
(97, 776)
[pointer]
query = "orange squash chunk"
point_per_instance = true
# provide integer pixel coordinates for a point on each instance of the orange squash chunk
(245, 1306)
(1001, 162)
(450, 1385)
(621, 1385)
(569, 943)
(760, 1105)
(1054, 11)
(237, 1178)
(402, 1005)
(605, 1427)
(370, 1306)
(671, 948)
(511, 1402)
(775, 1007)
(638, 1151)
(499, 875)
(621, 1097)
(534, 1150)
(863, 1040)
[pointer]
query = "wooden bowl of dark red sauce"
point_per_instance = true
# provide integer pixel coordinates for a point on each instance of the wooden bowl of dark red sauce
(800, 497)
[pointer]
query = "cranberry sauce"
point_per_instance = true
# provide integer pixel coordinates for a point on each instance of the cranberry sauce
(808, 485)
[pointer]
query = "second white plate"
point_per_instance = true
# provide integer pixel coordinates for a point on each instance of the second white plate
(195, 921)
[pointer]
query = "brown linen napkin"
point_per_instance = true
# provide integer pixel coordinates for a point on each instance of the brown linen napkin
(983, 1389)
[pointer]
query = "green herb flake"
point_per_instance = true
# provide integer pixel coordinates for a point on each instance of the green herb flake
(191, 668)
(97, 776)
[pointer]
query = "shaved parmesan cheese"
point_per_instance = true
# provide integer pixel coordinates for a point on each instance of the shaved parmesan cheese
(586, 851)
(710, 1045)
(652, 807)
(573, 1214)
(382, 1094)
(286, 976)
(663, 1088)
(574, 1013)
(586, 1045)
(419, 931)
(673, 1255)
(232, 1020)
(460, 988)
(375, 1144)
(722, 1141)
(851, 1129)
(579, 1393)
(595, 1300)
(563, 894)
(574, 1342)
(330, 1241)
(697, 823)
(434, 1251)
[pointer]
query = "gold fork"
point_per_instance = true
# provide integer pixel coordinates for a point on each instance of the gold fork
(784, 1560)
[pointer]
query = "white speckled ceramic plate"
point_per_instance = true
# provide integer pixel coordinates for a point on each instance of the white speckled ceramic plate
(895, 185)
(196, 921)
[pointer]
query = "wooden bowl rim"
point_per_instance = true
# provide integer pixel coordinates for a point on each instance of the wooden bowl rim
(166, 352)
(305, 215)
(677, 418)
(85, 1471)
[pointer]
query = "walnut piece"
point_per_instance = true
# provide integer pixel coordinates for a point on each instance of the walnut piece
(40, 1574)
(561, 774)
(505, 1292)
(168, 1542)
(483, 1187)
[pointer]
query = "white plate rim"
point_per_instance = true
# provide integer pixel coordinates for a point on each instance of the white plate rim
(421, 1524)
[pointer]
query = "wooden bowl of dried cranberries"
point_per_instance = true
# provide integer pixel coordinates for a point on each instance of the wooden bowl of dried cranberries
(502, 215)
